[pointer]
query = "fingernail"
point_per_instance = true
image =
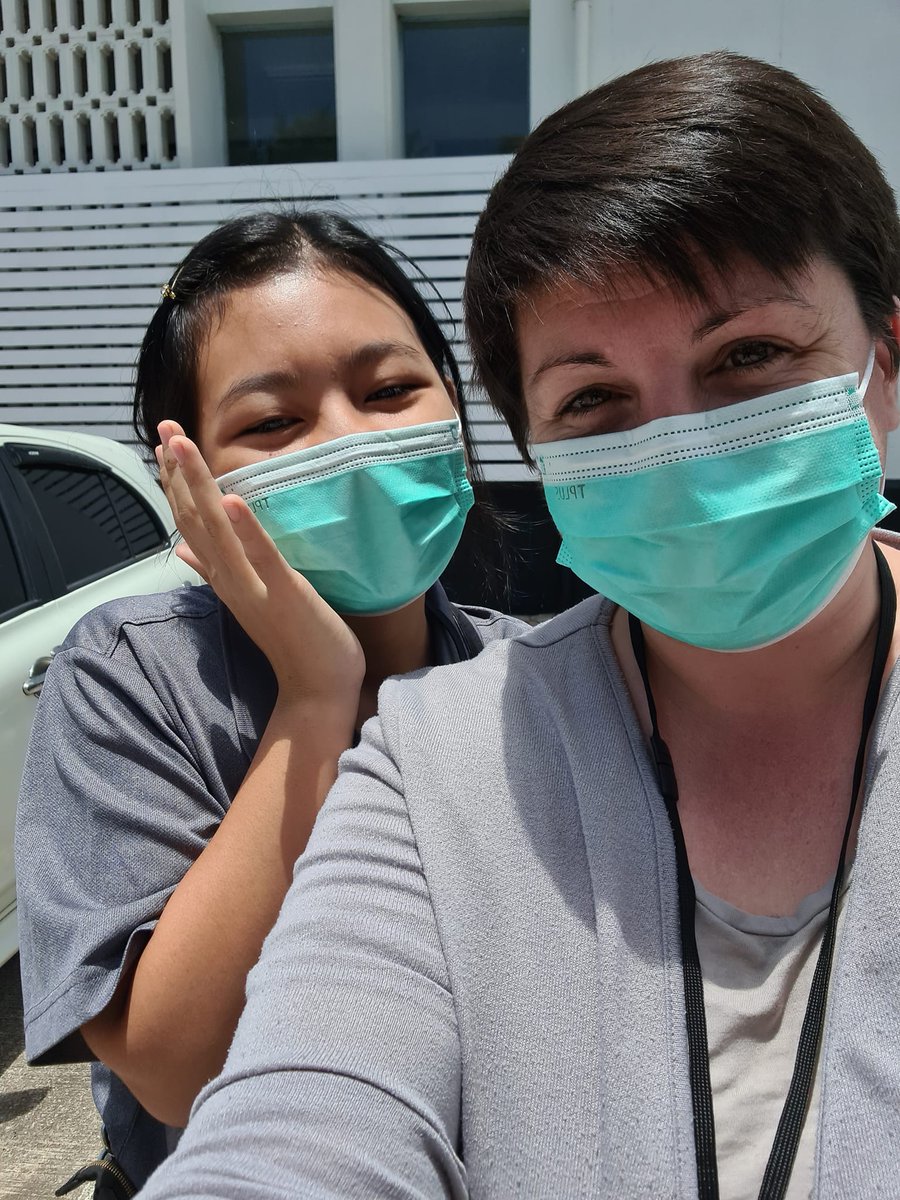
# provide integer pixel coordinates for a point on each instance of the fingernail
(234, 515)
(177, 449)
(163, 430)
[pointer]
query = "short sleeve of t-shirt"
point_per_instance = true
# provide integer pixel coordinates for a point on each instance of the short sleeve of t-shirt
(135, 754)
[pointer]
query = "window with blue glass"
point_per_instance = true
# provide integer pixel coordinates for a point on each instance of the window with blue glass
(465, 85)
(279, 95)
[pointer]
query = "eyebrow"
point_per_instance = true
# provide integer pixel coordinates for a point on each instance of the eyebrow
(273, 381)
(585, 358)
(714, 321)
(724, 316)
(265, 381)
(363, 356)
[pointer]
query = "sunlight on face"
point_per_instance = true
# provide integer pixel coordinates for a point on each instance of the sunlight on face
(307, 357)
(601, 361)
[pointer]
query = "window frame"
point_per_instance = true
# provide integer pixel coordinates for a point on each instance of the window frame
(454, 12)
(45, 557)
(27, 553)
(303, 23)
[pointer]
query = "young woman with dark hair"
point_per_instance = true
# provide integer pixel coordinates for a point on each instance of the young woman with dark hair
(634, 873)
(184, 742)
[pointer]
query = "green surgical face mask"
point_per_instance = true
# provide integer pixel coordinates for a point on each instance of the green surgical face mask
(371, 519)
(728, 529)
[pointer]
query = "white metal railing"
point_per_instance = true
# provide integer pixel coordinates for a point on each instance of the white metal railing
(82, 258)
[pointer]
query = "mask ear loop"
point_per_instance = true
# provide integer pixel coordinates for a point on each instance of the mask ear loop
(867, 374)
(861, 392)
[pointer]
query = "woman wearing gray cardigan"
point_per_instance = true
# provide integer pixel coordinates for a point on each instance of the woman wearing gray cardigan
(611, 911)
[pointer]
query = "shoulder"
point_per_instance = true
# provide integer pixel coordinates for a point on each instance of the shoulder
(564, 653)
(492, 625)
(523, 642)
(178, 657)
(162, 616)
(172, 649)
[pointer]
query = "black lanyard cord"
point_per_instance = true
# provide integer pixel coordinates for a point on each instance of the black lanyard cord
(784, 1148)
(695, 1011)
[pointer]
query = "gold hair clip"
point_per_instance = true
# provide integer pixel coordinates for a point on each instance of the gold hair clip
(168, 289)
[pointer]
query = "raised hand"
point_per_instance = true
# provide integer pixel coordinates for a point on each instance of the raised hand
(312, 651)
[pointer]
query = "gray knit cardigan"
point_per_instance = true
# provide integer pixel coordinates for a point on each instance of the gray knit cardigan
(475, 987)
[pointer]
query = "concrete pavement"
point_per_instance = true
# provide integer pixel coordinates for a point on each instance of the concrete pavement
(48, 1124)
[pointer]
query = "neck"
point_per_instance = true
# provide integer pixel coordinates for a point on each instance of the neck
(393, 643)
(763, 744)
(800, 671)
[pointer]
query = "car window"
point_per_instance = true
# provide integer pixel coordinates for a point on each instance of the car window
(12, 586)
(96, 523)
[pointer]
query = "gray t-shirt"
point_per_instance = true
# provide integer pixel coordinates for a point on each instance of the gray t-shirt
(148, 721)
(757, 974)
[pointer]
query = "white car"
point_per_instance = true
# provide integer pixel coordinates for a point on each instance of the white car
(82, 520)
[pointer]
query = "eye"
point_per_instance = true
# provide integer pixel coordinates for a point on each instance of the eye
(588, 400)
(270, 425)
(750, 355)
(392, 392)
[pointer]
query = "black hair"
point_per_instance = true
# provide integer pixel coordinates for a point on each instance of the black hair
(701, 158)
(249, 250)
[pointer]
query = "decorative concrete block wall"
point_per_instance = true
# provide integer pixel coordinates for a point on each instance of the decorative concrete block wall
(86, 85)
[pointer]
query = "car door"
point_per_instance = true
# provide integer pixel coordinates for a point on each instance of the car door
(24, 592)
(76, 535)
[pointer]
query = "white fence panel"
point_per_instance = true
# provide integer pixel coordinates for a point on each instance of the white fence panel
(83, 256)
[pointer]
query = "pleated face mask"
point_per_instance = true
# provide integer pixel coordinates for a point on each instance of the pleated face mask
(728, 529)
(371, 519)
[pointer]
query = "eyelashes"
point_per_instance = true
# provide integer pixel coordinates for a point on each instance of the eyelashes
(741, 359)
(278, 424)
(762, 353)
(270, 425)
(392, 392)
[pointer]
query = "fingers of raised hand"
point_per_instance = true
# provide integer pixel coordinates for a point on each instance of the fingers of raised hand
(197, 507)
(260, 550)
(167, 464)
(165, 479)
(186, 554)
(310, 648)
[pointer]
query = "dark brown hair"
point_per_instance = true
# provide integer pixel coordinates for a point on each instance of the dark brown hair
(712, 156)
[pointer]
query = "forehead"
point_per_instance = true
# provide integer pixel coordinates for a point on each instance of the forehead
(309, 297)
(308, 322)
(630, 297)
(305, 319)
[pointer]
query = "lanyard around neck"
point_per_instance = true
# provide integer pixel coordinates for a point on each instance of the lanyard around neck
(787, 1137)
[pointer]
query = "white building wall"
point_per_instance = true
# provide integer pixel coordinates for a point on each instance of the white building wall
(368, 81)
(105, 117)
(847, 51)
(199, 86)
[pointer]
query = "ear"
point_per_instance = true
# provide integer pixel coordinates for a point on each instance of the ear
(454, 399)
(884, 408)
(883, 358)
(895, 320)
